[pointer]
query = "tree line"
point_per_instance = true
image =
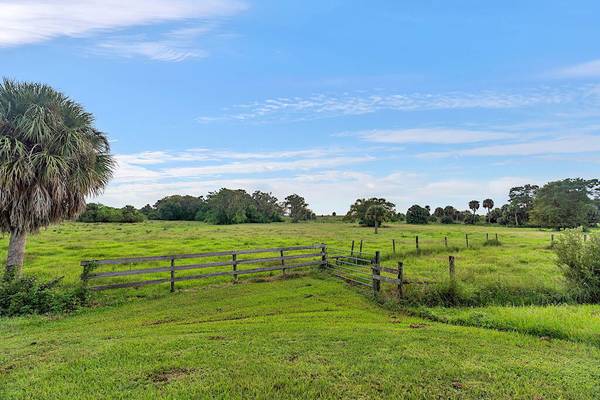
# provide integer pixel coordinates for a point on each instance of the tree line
(567, 203)
(223, 207)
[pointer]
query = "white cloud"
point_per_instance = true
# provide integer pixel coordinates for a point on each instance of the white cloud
(33, 21)
(561, 145)
(360, 103)
(590, 69)
(433, 136)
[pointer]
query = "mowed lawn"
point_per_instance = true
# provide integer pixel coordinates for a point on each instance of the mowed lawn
(303, 338)
(307, 336)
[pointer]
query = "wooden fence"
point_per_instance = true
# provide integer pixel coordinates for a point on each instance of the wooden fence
(370, 272)
(318, 257)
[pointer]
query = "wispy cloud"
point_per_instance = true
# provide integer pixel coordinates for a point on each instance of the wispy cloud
(560, 145)
(360, 103)
(32, 21)
(161, 165)
(590, 69)
(432, 136)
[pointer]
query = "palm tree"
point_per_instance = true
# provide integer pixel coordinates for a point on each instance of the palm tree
(488, 204)
(376, 213)
(474, 206)
(51, 158)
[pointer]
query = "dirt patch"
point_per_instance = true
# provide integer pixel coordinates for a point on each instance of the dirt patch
(164, 376)
(417, 326)
(216, 338)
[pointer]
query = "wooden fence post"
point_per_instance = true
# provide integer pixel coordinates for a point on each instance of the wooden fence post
(446, 241)
(487, 237)
(376, 273)
(585, 237)
(451, 269)
(417, 243)
(467, 239)
(324, 261)
(361, 247)
(352, 249)
(400, 279)
(234, 261)
(394, 246)
(172, 274)
(282, 262)
(552, 240)
(496, 237)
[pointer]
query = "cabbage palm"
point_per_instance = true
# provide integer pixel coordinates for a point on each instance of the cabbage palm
(51, 158)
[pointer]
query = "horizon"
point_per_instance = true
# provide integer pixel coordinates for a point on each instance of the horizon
(429, 104)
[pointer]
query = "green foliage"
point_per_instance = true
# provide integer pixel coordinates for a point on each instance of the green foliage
(492, 243)
(179, 208)
(474, 206)
(417, 215)
(96, 212)
(358, 210)
(26, 295)
(227, 207)
(471, 219)
(565, 204)
(579, 260)
(376, 215)
(446, 219)
(51, 157)
(520, 204)
(297, 208)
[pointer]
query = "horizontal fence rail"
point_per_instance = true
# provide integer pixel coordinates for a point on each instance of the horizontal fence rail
(316, 257)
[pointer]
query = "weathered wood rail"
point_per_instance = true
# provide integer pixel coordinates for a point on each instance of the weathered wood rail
(317, 257)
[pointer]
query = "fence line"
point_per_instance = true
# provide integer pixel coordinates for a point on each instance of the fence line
(316, 259)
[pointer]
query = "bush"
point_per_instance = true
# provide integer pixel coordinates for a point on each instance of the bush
(471, 219)
(25, 295)
(580, 263)
(446, 219)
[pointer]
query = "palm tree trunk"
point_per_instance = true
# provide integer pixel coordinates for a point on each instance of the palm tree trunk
(16, 254)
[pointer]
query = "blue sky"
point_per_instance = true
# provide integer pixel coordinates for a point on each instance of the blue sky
(429, 102)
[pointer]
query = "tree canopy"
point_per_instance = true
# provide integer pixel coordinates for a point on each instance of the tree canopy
(358, 210)
(51, 158)
(417, 215)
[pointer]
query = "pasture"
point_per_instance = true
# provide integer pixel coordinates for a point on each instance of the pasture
(308, 334)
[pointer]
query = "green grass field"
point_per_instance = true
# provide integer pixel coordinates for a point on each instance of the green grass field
(308, 335)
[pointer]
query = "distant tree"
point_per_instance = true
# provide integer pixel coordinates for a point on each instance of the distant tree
(451, 212)
(358, 210)
(474, 206)
(400, 217)
(417, 215)
(334, 214)
(176, 207)
(51, 158)
(494, 216)
(147, 210)
(297, 208)
(471, 219)
(226, 206)
(377, 214)
(564, 204)
(100, 213)
(488, 204)
(521, 200)
(268, 207)
(438, 212)
(130, 214)
(446, 219)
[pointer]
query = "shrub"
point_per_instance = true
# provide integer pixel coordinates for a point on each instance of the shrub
(26, 295)
(471, 219)
(446, 219)
(492, 242)
(580, 263)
